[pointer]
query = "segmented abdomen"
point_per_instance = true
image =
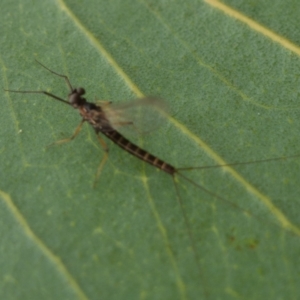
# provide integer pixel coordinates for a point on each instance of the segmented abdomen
(135, 150)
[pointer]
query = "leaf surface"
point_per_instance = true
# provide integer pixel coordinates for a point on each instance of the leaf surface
(234, 93)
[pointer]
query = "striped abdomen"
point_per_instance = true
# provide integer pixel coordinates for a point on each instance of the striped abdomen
(133, 149)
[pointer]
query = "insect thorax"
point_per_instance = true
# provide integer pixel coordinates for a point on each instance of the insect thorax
(95, 116)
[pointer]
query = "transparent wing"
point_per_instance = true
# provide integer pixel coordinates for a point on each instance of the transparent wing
(139, 116)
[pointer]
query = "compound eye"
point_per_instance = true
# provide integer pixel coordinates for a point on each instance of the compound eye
(80, 91)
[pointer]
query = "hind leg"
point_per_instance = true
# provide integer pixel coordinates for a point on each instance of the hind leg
(104, 159)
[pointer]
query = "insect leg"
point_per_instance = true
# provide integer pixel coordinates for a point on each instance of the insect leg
(190, 234)
(66, 78)
(104, 159)
(39, 92)
(77, 130)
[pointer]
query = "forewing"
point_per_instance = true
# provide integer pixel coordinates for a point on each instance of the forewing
(139, 116)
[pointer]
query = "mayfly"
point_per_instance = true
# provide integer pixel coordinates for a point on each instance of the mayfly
(102, 118)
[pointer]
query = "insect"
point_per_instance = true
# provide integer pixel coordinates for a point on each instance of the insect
(105, 120)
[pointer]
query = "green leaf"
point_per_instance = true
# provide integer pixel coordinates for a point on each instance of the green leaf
(234, 91)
